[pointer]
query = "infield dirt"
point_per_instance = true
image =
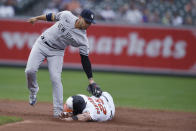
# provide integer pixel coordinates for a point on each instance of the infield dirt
(39, 118)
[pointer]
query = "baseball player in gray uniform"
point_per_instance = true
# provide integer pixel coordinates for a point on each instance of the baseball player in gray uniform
(67, 30)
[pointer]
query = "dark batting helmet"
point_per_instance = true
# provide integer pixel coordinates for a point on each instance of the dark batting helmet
(76, 104)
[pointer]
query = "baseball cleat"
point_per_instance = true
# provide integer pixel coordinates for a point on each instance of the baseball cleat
(57, 113)
(32, 99)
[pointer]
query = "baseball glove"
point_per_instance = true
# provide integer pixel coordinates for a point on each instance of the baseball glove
(94, 89)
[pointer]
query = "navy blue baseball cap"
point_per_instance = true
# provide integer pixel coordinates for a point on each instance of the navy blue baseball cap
(88, 15)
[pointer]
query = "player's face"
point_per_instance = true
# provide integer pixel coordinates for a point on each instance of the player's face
(66, 108)
(82, 24)
(85, 24)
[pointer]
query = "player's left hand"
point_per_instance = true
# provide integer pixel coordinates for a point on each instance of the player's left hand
(32, 20)
(94, 89)
(65, 115)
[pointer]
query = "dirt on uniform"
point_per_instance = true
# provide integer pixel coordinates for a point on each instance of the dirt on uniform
(39, 118)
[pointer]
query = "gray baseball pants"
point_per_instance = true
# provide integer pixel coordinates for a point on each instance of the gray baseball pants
(38, 54)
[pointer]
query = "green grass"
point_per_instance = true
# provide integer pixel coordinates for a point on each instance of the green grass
(140, 91)
(9, 119)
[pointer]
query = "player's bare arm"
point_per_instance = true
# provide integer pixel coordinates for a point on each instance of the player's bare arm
(47, 17)
(80, 117)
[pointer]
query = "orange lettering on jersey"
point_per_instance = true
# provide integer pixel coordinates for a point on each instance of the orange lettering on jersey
(96, 107)
(102, 108)
(100, 101)
(100, 105)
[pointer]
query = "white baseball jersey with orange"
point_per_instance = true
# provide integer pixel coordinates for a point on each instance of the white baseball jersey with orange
(100, 109)
(64, 33)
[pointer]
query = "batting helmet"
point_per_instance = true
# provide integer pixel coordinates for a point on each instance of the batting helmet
(76, 104)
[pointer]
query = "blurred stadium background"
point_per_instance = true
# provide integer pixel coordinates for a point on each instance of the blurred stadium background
(162, 12)
(134, 36)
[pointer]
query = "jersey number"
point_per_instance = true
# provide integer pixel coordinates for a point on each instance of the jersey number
(61, 28)
(101, 107)
(98, 107)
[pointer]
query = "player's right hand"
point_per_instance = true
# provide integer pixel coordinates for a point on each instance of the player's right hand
(94, 89)
(32, 20)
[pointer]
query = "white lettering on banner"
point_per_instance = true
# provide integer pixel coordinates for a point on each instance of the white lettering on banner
(16, 38)
(139, 47)
(167, 45)
(119, 43)
(153, 48)
(31, 39)
(91, 40)
(179, 51)
(19, 39)
(133, 45)
(104, 45)
(136, 46)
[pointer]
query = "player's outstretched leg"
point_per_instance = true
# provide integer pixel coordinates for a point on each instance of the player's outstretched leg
(36, 57)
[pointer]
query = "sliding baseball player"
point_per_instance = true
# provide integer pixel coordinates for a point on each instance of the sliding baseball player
(84, 108)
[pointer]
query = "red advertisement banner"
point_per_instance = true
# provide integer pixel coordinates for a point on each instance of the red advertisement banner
(159, 49)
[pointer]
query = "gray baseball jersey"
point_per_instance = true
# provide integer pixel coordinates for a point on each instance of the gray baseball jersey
(64, 33)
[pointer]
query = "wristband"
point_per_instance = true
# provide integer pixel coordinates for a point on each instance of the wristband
(75, 118)
(49, 17)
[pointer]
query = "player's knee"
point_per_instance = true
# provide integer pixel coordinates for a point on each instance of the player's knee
(30, 71)
(55, 79)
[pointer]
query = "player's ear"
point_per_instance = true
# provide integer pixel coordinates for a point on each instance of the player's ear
(66, 108)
